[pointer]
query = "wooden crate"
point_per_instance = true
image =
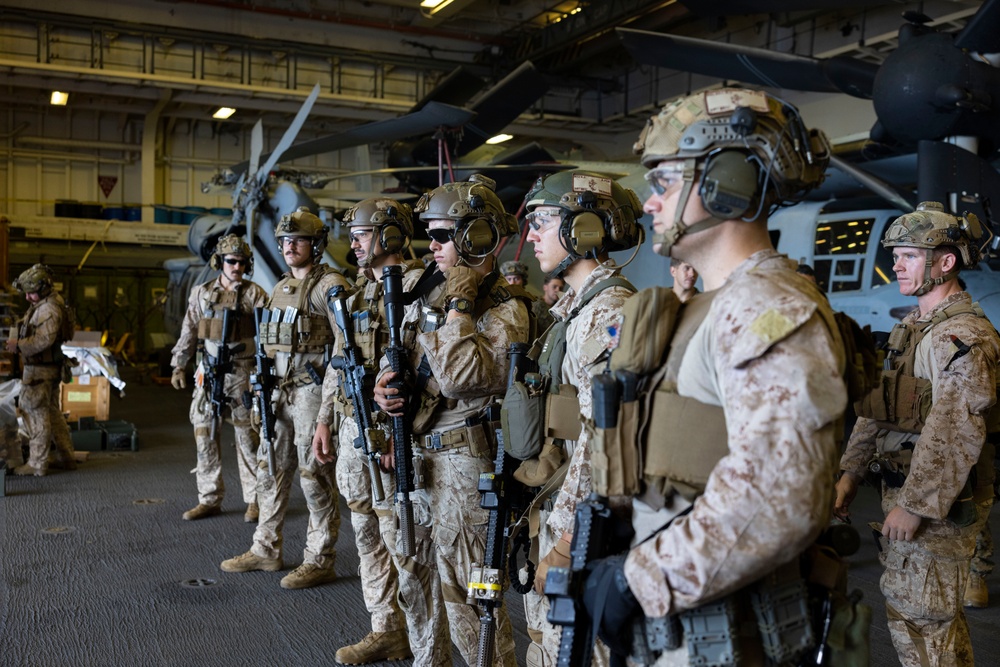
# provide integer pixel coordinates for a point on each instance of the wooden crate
(86, 396)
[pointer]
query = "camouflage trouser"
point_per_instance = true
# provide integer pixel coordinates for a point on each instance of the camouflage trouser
(39, 403)
(459, 535)
(378, 574)
(295, 424)
(419, 595)
(536, 611)
(924, 586)
(982, 559)
(209, 468)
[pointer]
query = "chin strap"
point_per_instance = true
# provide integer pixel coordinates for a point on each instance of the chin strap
(929, 282)
(670, 237)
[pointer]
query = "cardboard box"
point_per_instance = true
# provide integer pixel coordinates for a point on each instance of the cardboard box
(86, 396)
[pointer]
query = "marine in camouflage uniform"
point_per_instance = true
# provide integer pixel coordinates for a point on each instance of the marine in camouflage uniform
(737, 484)
(555, 205)
(552, 288)
(301, 352)
(468, 361)
(379, 230)
(203, 322)
(39, 340)
(931, 534)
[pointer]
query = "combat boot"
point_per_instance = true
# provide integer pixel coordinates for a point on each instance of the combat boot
(308, 575)
(376, 647)
(200, 511)
(250, 562)
(977, 593)
(27, 469)
(252, 513)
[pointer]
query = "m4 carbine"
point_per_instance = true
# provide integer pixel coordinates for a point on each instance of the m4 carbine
(262, 384)
(217, 368)
(396, 354)
(358, 386)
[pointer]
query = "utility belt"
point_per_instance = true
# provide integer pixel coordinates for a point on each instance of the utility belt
(785, 618)
(477, 434)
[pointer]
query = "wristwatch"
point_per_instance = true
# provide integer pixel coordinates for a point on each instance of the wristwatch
(463, 306)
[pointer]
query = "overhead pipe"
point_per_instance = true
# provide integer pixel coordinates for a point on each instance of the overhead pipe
(80, 143)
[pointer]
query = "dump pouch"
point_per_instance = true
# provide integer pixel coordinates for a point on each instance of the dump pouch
(521, 419)
(562, 413)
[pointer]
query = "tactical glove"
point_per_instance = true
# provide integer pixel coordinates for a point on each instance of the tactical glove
(461, 282)
(558, 557)
(610, 603)
(178, 379)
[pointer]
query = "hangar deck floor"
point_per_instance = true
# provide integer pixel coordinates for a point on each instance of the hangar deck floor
(100, 570)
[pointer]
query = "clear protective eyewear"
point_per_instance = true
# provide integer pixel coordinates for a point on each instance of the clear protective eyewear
(539, 219)
(360, 235)
(295, 240)
(661, 179)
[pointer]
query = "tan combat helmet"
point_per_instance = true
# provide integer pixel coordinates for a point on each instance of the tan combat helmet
(231, 244)
(479, 215)
(930, 227)
(391, 222)
(303, 223)
(745, 150)
(598, 214)
(37, 279)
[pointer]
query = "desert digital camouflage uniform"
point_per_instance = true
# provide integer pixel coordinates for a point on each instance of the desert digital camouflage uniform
(924, 581)
(209, 468)
(296, 402)
(39, 344)
(768, 354)
(587, 336)
(468, 359)
(377, 570)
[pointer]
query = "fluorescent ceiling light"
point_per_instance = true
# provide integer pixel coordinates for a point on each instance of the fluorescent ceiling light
(499, 139)
(58, 98)
(435, 5)
(223, 113)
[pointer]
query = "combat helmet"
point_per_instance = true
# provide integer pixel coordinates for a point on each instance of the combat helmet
(514, 268)
(930, 227)
(598, 214)
(303, 222)
(748, 150)
(392, 222)
(231, 244)
(480, 218)
(37, 279)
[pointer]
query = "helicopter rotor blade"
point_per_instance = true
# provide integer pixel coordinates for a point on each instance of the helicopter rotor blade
(289, 136)
(982, 32)
(751, 65)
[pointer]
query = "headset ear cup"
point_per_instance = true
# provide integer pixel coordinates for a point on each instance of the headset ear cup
(729, 185)
(584, 235)
(478, 239)
(213, 262)
(392, 239)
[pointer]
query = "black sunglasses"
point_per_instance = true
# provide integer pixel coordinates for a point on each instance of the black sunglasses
(233, 262)
(442, 236)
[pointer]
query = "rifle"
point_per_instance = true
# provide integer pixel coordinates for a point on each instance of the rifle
(216, 370)
(262, 383)
(594, 537)
(358, 387)
(505, 498)
(392, 284)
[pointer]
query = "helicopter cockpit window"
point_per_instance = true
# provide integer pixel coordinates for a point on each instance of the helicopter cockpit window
(839, 253)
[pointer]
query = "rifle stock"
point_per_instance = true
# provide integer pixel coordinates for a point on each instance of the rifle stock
(505, 498)
(216, 370)
(392, 282)
(262, 383)
(357, 387)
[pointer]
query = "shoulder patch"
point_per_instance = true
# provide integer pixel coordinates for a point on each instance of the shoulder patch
(771, 326)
